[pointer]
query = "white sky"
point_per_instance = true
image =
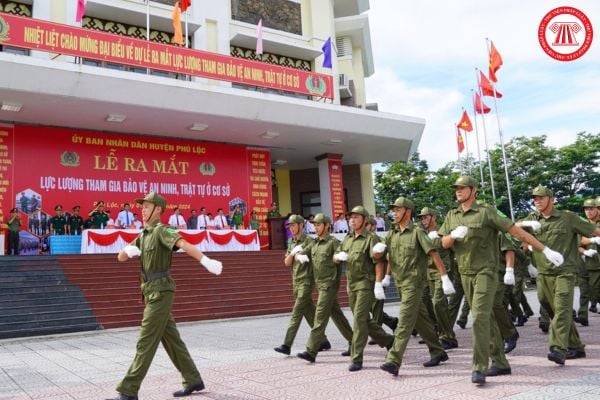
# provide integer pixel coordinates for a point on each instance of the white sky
(425, 57)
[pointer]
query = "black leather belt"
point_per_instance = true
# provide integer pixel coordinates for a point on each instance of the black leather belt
(155, 276)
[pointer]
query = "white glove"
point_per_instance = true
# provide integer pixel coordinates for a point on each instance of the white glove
(433, 235)
(302, 258)
(379, 248)
(590, 253)
(535, 225)
(213, 266)
(132, 251)
(532, 271)
(509, 276)
(459, 233)
(379, 292)
(595, 239)
(387, 280)
(296, 250)
(341, 256)
(553, 256)
(447, 285)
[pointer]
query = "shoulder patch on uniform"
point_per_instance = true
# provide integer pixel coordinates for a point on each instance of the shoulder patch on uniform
(171, 230)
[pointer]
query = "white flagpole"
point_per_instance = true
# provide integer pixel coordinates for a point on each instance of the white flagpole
(147, 27)
(186, 28)
(510, 203)
(487, 149)
(477, 139)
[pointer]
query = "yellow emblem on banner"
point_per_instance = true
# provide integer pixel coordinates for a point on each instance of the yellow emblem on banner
(69, 159)
(4, 28)
(207, 169)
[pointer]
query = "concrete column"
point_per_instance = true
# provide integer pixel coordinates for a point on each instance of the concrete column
(282, 176)
(366, 184)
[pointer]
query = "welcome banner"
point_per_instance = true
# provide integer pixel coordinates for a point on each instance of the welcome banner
(54, 166)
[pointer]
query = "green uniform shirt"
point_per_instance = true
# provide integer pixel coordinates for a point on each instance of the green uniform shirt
(237, 219)
(301, 273)
(326, 271)
(58, 224)
(508, 243)
(76, 224)
(157, 243)
(271, 214)
(99, 220)
(14, 225)
(255, 224)
(360, 266)
(408, 251)
(593, 263)
(560, 233)
(447, 256)
(479, 249)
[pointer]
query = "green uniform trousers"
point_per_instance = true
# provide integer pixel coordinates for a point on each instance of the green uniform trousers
(158, 326)
(555, 293)
(505, 324)
(480, 291)
(413, 314)
(303, 307)
(361, 302)
(379, 316)
(594, 285)
(583, 281)
(513, 295)
(464, 312)
(440, 309)
(426, 297)
(455, 300)
(327, 306)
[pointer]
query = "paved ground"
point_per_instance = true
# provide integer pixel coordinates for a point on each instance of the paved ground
(236, 360)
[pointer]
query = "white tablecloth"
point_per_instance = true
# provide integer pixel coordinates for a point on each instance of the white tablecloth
(90, 246)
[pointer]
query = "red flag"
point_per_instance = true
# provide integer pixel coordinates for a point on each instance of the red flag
(465, 122)
(480, 107)
(184, 4)
(177, 35)
(80, 10)
(486, 86)
(495, 62)
(459, 141)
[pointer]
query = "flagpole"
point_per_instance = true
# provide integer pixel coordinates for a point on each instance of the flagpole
(510, 203)
(147, 27)
(487, 149)
(186, 28)
(477, 139)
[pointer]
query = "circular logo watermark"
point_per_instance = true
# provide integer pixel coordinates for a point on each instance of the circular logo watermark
(565, 33)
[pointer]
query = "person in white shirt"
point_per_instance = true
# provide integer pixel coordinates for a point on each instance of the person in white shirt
(309, 228)
(221, 220)
(176, 220)
(203, 219)
(125, 217)
(341, 225)
(380, 222)
(136, 222)
(211, 221)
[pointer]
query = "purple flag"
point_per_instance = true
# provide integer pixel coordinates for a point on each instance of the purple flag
(327, 54)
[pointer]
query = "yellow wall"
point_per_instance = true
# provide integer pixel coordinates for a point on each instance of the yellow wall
(282, 176)
(366, 184)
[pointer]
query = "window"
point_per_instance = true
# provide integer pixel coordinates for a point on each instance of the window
(310, 203)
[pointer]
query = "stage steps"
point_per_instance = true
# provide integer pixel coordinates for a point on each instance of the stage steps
(49, 294)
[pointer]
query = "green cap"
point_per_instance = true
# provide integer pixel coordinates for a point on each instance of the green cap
(598, 201)
(465, 180)
(321, 218)
(359, 210)
(426, 211)
(296, 219)
(58, 208)
(371, 220)
(590, 203)
(403, 202)
(542, 191)
(155, 199)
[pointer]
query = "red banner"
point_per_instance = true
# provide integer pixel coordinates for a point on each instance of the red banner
(70, 167)
(337, 187)
(70, 40)
(259, 199)
(6, 172)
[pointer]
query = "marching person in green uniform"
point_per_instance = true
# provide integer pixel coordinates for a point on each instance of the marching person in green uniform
(506, 278)
(379, 315)
(555, 286)
(155, 246)
(75, 222)
(327, 276)
(514, 292)
(303, 284)
(409, 248)
(364, 273)
(13, 224)
(58, 223)
(472, 230)
(438, 297)
(590, 254)
(99, 216)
